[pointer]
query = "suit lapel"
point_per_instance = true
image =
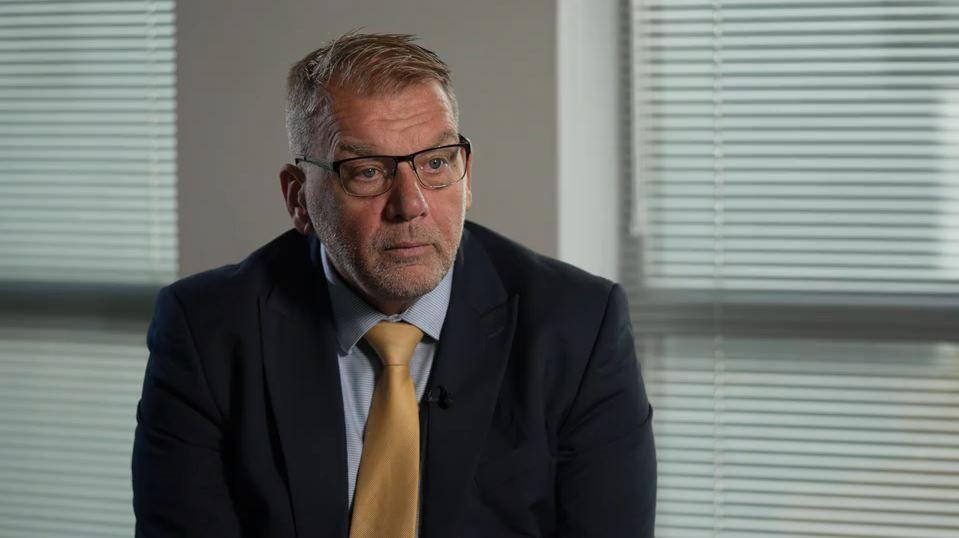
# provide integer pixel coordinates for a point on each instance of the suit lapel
(302, 376)
(469, 365)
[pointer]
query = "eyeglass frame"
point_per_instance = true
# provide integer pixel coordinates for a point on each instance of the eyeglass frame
(334, 166)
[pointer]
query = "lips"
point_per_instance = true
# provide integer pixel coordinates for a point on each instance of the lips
(408, 250)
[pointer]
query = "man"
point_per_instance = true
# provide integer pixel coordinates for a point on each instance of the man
(382, 370)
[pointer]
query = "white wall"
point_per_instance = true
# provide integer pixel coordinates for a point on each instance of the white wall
(232, 59)
(589, 118)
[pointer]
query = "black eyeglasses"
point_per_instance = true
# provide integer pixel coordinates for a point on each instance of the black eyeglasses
(435, 168)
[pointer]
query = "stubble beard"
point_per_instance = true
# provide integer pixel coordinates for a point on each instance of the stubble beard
(370, 269)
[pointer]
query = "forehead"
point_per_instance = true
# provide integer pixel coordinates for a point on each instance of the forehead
(399, 121)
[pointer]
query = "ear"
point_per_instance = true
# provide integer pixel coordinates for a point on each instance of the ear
(293, 185)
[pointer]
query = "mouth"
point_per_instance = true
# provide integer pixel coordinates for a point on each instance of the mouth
(408, 250)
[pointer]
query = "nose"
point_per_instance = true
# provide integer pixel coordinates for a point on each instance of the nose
(406, 200)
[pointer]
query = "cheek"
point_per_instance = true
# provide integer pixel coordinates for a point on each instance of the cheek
(448, 215)
(455, 205)
(314, 204)
(324, 208)
(357, 220)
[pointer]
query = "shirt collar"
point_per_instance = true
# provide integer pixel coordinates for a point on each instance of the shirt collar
(353, 316)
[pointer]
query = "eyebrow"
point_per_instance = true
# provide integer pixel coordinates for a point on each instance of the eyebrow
(356, 149)
(363, 150)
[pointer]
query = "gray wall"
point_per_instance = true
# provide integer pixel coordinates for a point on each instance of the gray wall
(232, 59)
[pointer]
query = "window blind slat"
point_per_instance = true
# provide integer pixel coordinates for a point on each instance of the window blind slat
(70, 45)
(12, 7)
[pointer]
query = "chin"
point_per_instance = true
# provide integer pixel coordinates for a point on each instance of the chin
(408, 282)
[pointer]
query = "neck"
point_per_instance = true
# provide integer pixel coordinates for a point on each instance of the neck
(387, 308)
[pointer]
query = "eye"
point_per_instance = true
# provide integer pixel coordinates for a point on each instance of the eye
(369, 173)
(434, 163)
(365, 172)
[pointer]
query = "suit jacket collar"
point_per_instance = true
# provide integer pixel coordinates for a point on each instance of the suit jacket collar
(303, 387)
(464, 385)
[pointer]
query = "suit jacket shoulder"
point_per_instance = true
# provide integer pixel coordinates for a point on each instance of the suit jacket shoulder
(557, 301)
(220, 308)
(252, 275)
(539, 279)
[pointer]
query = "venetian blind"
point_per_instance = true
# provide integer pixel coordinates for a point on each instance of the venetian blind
(87, 231)
(798, 437)
(808, 145)
(87, 190)
(68, 400)
(793, 266)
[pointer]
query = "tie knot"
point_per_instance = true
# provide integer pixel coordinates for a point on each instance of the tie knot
(394, 342)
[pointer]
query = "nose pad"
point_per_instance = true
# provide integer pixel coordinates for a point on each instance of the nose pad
(407, 170)
(412, 169)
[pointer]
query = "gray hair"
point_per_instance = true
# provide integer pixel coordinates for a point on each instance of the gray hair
(369, 64)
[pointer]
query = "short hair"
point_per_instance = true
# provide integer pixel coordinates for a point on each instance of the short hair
(369, 64)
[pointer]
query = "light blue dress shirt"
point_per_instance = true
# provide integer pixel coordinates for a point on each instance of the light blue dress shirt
(359, 365)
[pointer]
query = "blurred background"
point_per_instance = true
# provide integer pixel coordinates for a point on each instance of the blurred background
(776, 184)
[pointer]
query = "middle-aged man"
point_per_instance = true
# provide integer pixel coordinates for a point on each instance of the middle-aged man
(383, 370)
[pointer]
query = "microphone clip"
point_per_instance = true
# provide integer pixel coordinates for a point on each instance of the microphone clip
(441, 396)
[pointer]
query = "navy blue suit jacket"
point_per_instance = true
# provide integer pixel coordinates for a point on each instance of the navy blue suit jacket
(535, 420)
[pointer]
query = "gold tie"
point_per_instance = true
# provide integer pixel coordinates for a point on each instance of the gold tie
(387, 484)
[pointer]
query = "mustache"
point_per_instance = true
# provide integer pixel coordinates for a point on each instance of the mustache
(390, 238)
